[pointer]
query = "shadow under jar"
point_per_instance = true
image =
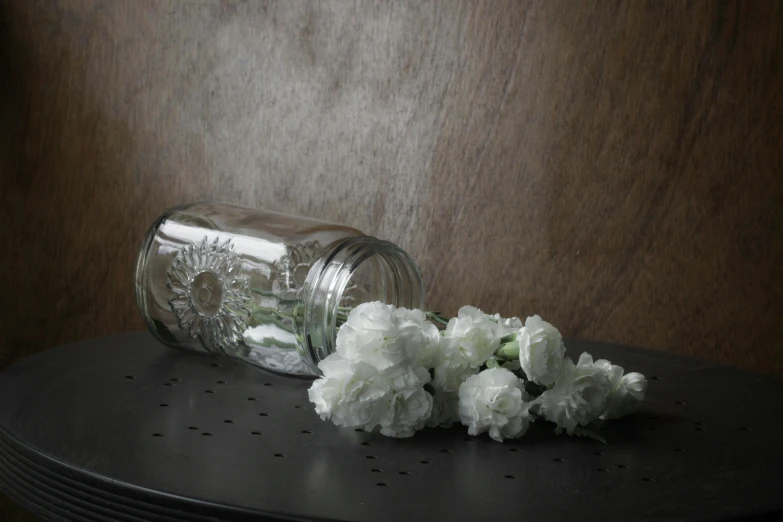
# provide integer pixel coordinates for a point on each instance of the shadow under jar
(268, 288)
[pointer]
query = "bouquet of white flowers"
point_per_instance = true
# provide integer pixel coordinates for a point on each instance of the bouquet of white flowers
(395, 372)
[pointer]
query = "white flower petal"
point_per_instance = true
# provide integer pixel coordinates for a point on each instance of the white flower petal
(541, 351)
(355, 394)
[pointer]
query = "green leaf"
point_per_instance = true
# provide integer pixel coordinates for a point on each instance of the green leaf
(436, 316)
(581, 431)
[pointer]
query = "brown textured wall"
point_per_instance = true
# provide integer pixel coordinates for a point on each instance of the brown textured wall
(613, 166)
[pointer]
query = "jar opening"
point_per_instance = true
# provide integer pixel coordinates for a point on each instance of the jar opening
(351, 272)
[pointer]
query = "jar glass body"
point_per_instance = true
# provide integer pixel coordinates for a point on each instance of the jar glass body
(268, 288)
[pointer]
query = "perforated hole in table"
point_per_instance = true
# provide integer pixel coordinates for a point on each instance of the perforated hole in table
(123, 428)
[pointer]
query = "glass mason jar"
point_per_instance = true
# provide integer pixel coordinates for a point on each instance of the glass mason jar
(268, 288)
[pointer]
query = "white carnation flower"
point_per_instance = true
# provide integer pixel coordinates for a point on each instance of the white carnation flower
(541, 351)
(578, 396)
(371, 335)
(445, 409)
(468, 341)
(494, 401)
(383, 336)
(626, 392)
(348, 392)
(356, 394)
(471, 336)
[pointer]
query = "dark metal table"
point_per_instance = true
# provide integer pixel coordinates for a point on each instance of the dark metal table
(125, 429)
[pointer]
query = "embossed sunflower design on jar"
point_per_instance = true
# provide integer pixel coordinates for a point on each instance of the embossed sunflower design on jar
(211, 296)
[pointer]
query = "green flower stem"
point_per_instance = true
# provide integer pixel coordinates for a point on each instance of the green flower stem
(276, 317)
(271, 312)
(437, 317)
(267, 316)
(266, 293)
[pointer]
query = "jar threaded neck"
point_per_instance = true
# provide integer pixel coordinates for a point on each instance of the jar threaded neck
(349, 272)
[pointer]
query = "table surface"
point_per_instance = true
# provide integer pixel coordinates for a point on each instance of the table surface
(123, 428)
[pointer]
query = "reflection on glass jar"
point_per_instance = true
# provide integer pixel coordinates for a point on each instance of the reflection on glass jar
(265, 287)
